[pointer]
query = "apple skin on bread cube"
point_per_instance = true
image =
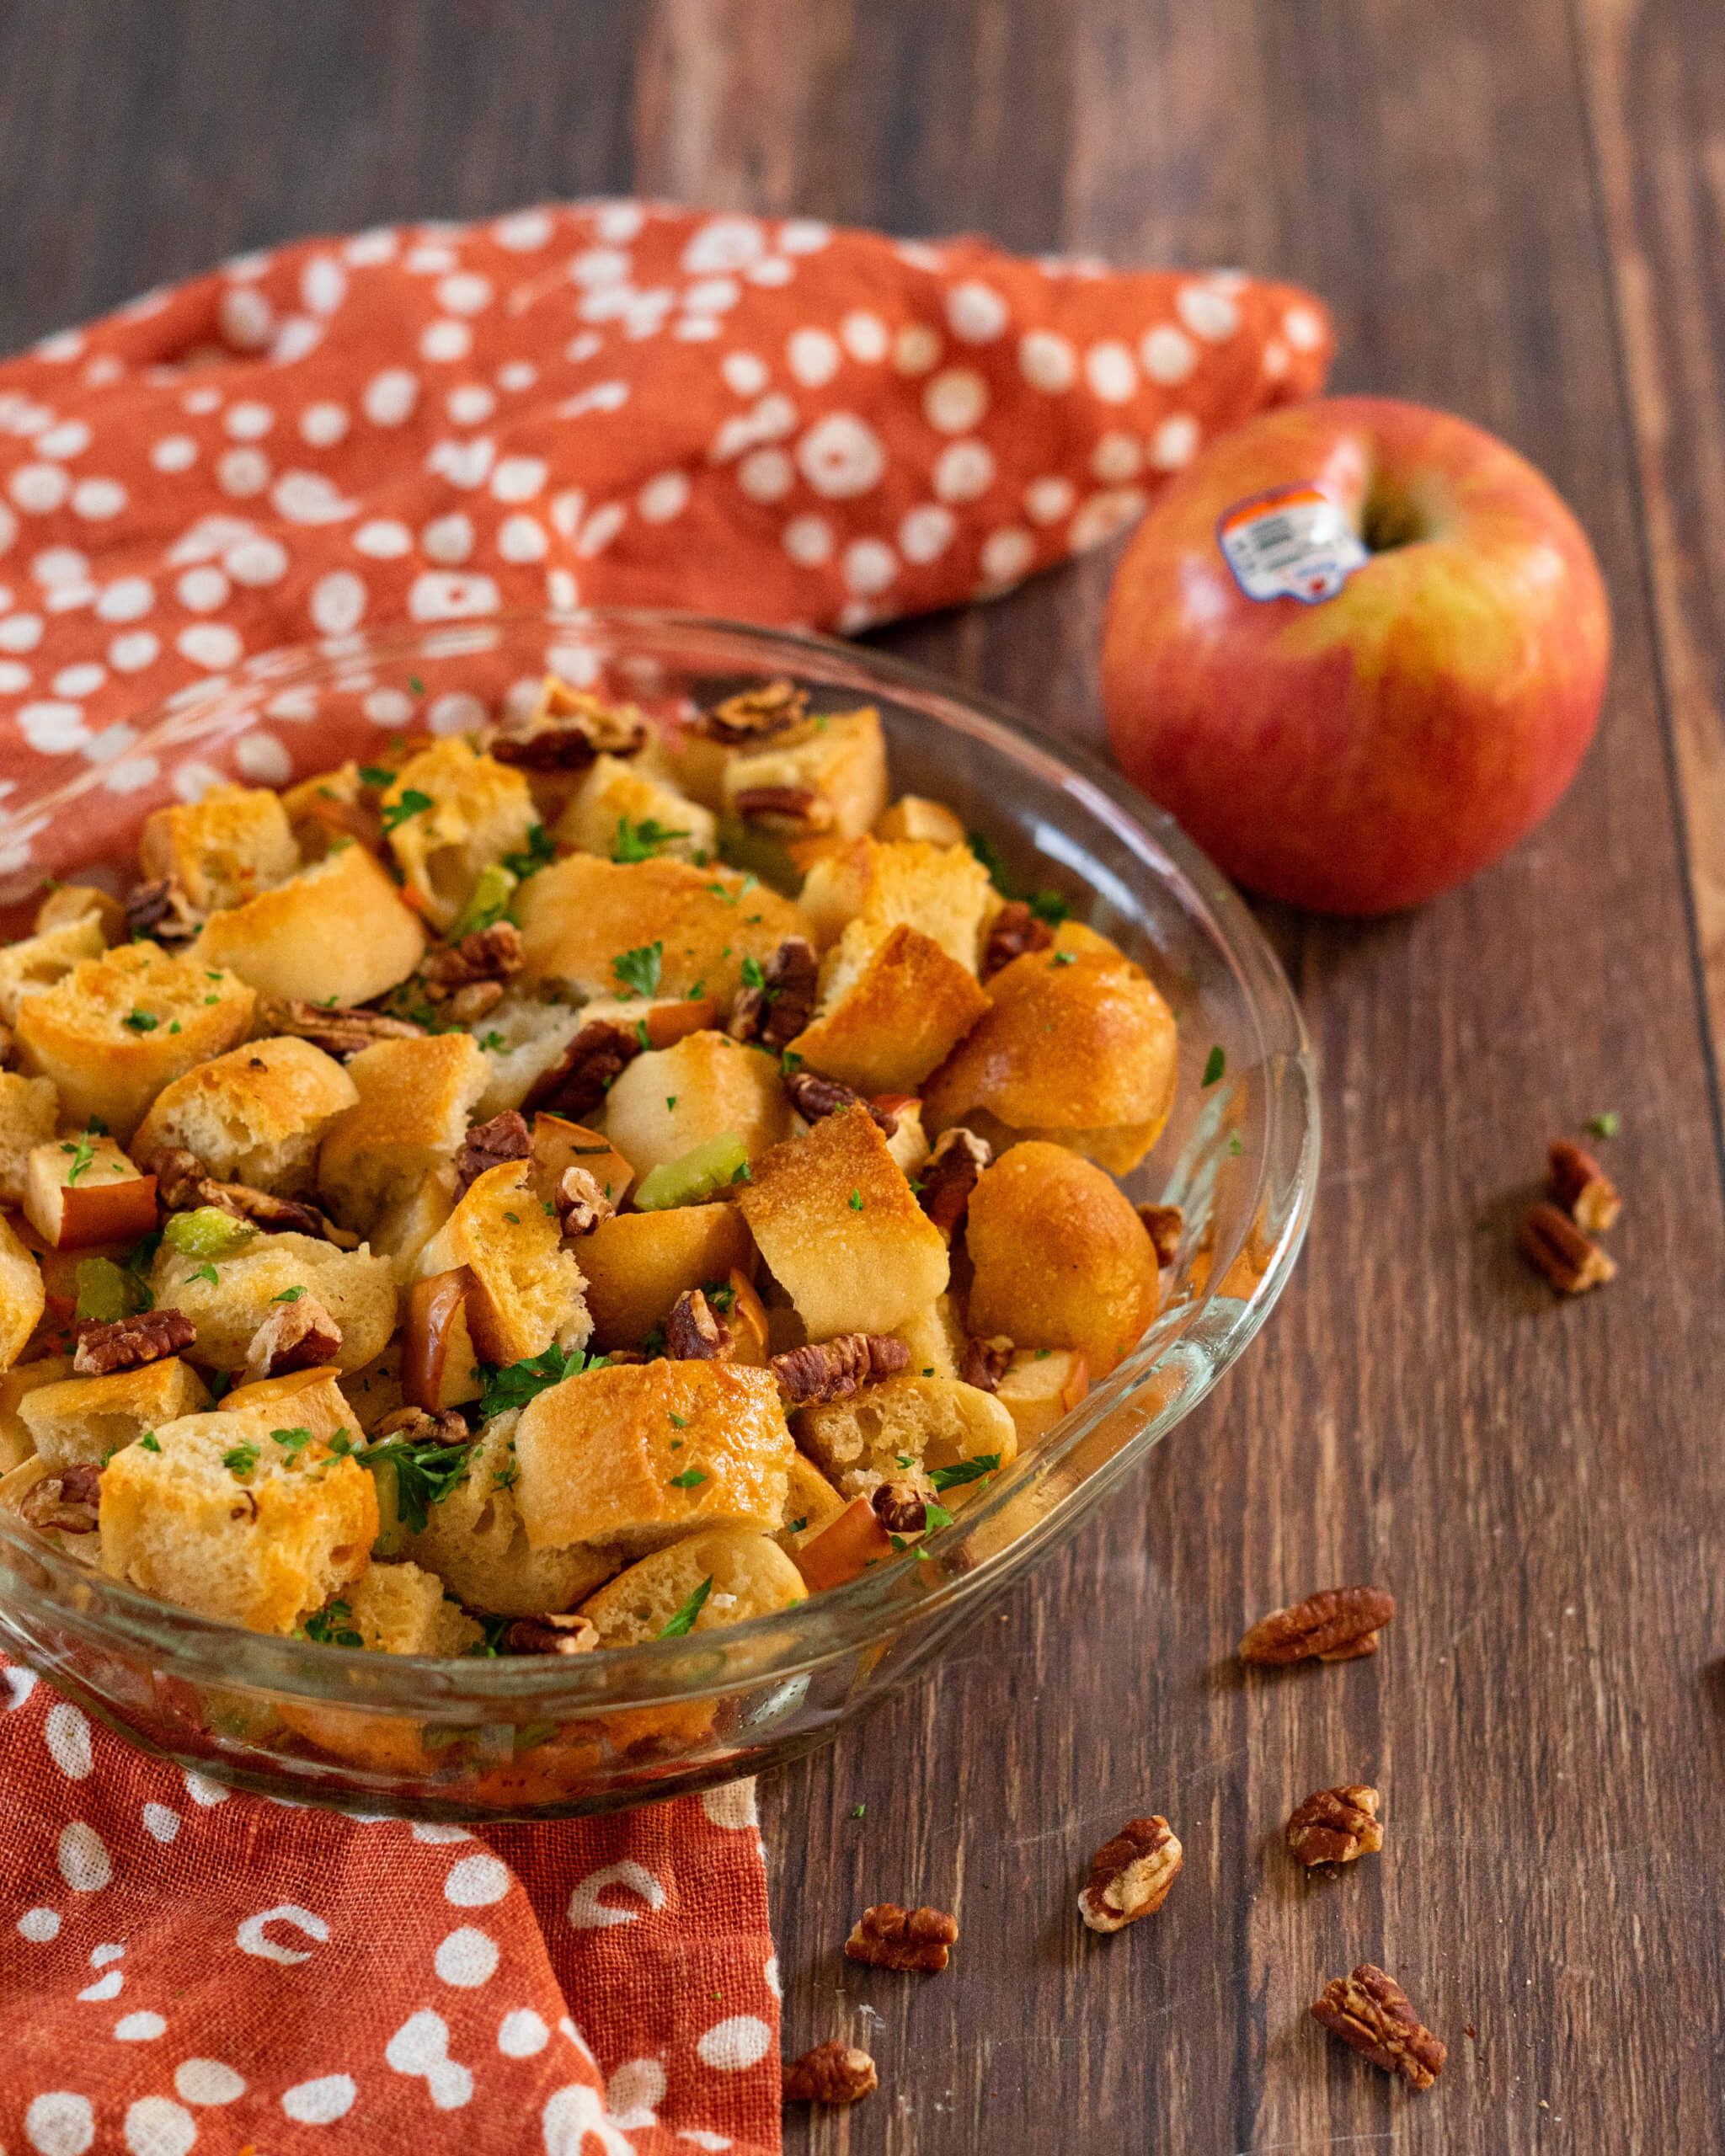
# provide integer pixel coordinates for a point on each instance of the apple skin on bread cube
(642, 1453)
(26, 969)
(528, 1292)
(356, 1288)
(893, 1005)
(253, 1116)
(671, 1099)
(337, 931)
(749, 1576)
(861, 1441)
(22, 1298)
(30, 1115)
(117, 1029)
(223, 849)
(222, 1517)
(451, 812)
(1060, 1257)
(636, 1264)
(77, 1421)
(841, 1231)
(415, 1098)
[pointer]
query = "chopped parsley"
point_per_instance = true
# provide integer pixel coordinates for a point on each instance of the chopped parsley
(1049, 906)
(493, 1040)
(642, 1034)
(141, 1021)
(413, 802)
(719, 1294)
(796, 1526)
(425, 1475)
(936, 1516)
(506, 1476)
(241, 1461)
(688, 1479)
(1235, 1146)
(1215, 1066)
(753, 975)
(671, 1099)
(333, 1626)
(416, 685)
(639, 970)
(1606, 1124)
(790, 1063)
(685, 1618)
(539, 853)
(206, 1272)
(148, 1442)
(855, 1201)
(1064, 958)
(967, 1470)
(288, 1296)
(295, 1439)
(376, 775)
(641, 841)
(513, 1384)
(82, 1155)
(681, 1421)
(857, 1810)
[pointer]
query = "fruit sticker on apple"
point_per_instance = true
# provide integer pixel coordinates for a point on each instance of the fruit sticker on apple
(1293, 542)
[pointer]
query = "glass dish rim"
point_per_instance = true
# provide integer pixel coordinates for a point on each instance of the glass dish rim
(868, 1611)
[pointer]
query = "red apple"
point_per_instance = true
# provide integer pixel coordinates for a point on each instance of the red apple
(1414, 710)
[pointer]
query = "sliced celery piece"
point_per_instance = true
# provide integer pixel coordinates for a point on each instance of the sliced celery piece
(702, 1172)
(207, 1232)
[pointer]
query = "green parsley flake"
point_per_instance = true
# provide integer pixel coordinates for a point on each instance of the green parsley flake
(796, 1526)
(82, 1155)
(513, 1384)
(206, 1272)
(639, 970)
(857, 1810)
(685, 1619)
(376, 775)
(333, 1626)
(671, 1099)
(288, 1296)
(967, 1470)
(1606, 1124)
(688, 1479)
(681, 1421)
(1065, 958)
(147, 1441)
(855, 1201)
(412, 802)
(1235, 1146)
(936, 1516)
(241, 1461)
(141, 1021)
(641, 841)
(1216, 1065)
(754, 973)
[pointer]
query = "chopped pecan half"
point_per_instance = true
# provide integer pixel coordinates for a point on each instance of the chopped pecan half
(1334, 1826)
(892, 1937)
(1013, 931)
(1339, 1623)
(776, 1012)
(337, 1029)
(130, 1342)
(567, 730)
(900, 1507)
(1165, 1224)
(948, 1176)
(814, 1097)
(1570, 1259)
(1130, 1876)
(162, 911)
(833, 1369)
(487, 955)
(426, 1426)
(1581, 1186)
(1370, 2012)
(69, 1499)
(551, 1635)
(756, 714)
(506, 1137)
(986, 1362)
(582, 1203)
(183, 1186)
(831, 2073)
(695, 1332)
(577, 1083)
(796, 811)
(298, 1335)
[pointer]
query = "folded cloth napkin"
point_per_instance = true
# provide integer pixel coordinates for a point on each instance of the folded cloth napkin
(611, 402)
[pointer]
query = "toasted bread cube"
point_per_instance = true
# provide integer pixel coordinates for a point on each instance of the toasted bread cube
(399, 1609)
(1076, 1046)
(748, 1576)
(223, 849)
(642, 1453)
(1040, 1386)
(415, 1099)
(81, 1191)
(933, 1422)
(375, 1390)
(837, 1222)
(356, 1288)
(26, 969)
(522, 1037)
(840, 756)
(69, 902)
(254, 1115)
(305, 1400)
(450, 813)
(909, 1144)
(528, 1291)
(225, 1520)
(475, 1540)
(329, 808)
(1060, 1257)
(402, 1231)
(23, 1299)
(579, 914)
(16, 1443)
(638, 1263)
(673, 1099)
(336, 932)
(811, 1503)
(15, 1486)
(915, 816)
(942, 891)
(618, 804)
(79, 1421)
(935, 1339)
(30, 1115)
(892, 1007)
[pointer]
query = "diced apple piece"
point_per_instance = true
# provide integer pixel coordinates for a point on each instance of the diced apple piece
(439, 1363)
(80, 1190)
(855, 1541)
(559, 1144)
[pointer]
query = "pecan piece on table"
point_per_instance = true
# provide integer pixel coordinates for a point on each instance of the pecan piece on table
(1581, 1188)
(1130, 1876)
(986, 1362)
(948, 1176)
(1165, 1224)
(298, 1335)
(581, 1202)
(162, 911)
(892, 1937)
(1370, 2012)
(129, 1342)
(900, 1507)
(1334, 1826)
(695, 1332)
(814, 1097)
(68, 1499)
(337, 1029)
(1339, 1623)
(756, 714)
(567, 730)
(831, 2073)
(776, 1011)
(551, 1635)
(1570, 1259)
(1013, 931)
(833, 1369)
(796, 811)
(505, 1138)
(576, 1083)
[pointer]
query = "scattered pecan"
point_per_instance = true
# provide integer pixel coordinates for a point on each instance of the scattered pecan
(1165, 1224)
(69, 1499)
(833, 1369)
(298, 1335)
(796, 811)
(1013, 931)
(900, 1507)
(582, 1202)
(426, 1426)
(986, 1362)
(1130, 1876)
(576, 1083)
(1570, 1259)
(337, 1029)
(776, 1011)
(183, 1185)
(1339, 1623)
(948, 1176)
(1581, 1186)
(814, 1097)
(487, 955)
(130, 1342)
(892, 1937)
(567, 730)
(551, 1635)
(162, 911)
(1334, 1826)
(695, 1332)
(832, 2073)
(1370, 2012)
(506, 1137)
(756, 714)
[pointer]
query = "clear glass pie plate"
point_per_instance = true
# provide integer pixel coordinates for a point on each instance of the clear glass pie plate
(542, 1737)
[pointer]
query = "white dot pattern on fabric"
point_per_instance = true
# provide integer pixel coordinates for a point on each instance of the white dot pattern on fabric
(421, 2046)
(156, 2127)
(60, 2123)
(321, 2102)
(521, 2034)
(1207, 313)
(253, 1935)
(338, 602)
(634, 2092)
(207, 2081)
(383, 539)
(389, 397)
(83, 1859)
(1168, 355)
(812, 356)
(1174, 443)
(963, 471)
(1111, 371)
(1047, 361)
(39, 1926)
(733, 2046)
(732, 1805)
(467, 1958)
(105, 1987)
(474, 1882)
(975, 313)
(323, 425)
(588, 1913)
(139, 2028)
(574, 2119)
(126, 599)
(808, 541)
(68, 1735)
(174, 453)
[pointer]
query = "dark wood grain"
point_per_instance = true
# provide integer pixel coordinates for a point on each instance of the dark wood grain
(1515, 207)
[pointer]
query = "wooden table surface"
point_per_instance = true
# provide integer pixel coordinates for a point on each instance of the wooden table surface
(1517, 210)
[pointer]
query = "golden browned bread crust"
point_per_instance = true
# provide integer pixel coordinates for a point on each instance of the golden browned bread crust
(638, 1263)
(893, 1005)
(254, 1115)
(337, 931)
(751, 1577)
(77, 1421)
(411, 1115)
(223, 849)
(479, 810)
(672, 1099)
(528, 1290)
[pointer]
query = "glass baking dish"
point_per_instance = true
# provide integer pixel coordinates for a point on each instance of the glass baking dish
(544, 1738)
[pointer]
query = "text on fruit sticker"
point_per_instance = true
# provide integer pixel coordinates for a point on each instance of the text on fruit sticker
(1293, 542)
